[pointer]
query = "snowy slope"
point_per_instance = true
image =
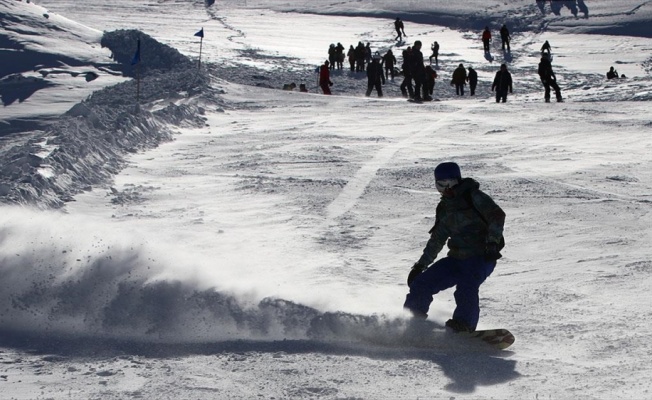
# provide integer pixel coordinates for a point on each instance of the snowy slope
(263, 251)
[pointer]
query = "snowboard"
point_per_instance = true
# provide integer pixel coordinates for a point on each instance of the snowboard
(497, 338)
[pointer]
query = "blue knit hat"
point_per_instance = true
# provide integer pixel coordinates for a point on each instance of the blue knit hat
(447, 170)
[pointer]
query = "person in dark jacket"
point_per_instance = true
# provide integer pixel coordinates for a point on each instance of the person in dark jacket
(472, 224)
(406, 86)
(360, 52)
(431, 75)
(325, 78)
(339, 55)
(502, 84)
(505, 38)
(418, 71)
(612, 73)
(472, 78)
(375, 76)
(400, 29)
(389, 62)
(351, 55)
(459, 79)
(548, 78)
(435, 53)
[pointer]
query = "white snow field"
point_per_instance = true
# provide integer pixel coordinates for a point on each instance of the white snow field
(226, 239)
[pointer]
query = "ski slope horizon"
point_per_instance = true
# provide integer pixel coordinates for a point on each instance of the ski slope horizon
(228, 239)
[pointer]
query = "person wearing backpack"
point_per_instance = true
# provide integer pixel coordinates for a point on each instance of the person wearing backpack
(471, 223)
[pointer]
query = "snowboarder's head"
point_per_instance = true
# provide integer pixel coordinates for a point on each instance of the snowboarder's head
(447, 175)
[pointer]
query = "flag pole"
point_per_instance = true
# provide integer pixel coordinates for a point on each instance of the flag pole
(201, 41)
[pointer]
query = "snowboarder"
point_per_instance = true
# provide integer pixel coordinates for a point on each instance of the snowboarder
(435, 53)
(325, 78)
(548, 78)
(400, 29)
(486, 39)
(459, 79)
(389, 61)
(472, 224)
(472, 78)
(375, 76)
(612, 73)
(505, 38)
(502, 83)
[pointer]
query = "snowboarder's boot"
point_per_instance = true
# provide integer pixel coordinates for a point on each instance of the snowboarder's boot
(458, 326)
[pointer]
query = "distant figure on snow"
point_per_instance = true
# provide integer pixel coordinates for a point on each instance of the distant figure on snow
(459, 80)
(612, 73)
(431, 75)
(351, 55)
(339, 55)
(502, 84)
(505, 38)
(418, 72)
(548, 78)
(389, 62)
(400, 29)
(435, 53)
(407, 90)
(486, 39)
(546, 48)
(325, 78)
(375, 76)
(472, 78)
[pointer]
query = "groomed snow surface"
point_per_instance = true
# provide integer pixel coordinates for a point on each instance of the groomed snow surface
(226, 239)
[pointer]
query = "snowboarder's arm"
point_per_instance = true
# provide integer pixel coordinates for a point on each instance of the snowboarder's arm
(438, 237)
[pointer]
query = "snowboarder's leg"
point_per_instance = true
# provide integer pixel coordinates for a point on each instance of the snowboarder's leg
(441, 275)
(474, 271)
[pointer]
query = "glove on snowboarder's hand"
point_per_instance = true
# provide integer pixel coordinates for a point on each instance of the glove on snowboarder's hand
(414, 272)
(491, 252)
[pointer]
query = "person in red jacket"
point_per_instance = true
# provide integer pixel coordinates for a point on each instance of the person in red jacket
(486, 38)
(325, 78)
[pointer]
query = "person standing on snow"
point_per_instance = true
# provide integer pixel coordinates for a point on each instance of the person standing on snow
(389, 61)
(435, 53)
(486, 39)
(325, 78)
(418, 72)
(406, 86)
(548, 78)
(502, 84)
(400, 29)
(459, 79)
(472, 78)
(375, 76)
(472, 224)
(505, 38)
(546, 48)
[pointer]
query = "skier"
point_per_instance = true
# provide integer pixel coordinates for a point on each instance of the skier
(400, 29)
(505, 38)
(459, 79)
(435, 53)
(502, 83)
(472, 224)
(472, 78)
(612, 73)
(389, 61)
(375, 76)
(325, 78)
(548, 78)
(486, 38)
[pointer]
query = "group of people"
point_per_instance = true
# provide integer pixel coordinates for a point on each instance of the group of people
(505, 38)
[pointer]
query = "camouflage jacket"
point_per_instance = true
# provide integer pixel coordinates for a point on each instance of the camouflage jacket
(466, 227)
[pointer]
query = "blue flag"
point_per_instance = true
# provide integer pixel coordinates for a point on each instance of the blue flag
(136, 58)
(200, 33)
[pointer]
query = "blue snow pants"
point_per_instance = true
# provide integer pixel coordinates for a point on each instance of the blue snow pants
(467, 275)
